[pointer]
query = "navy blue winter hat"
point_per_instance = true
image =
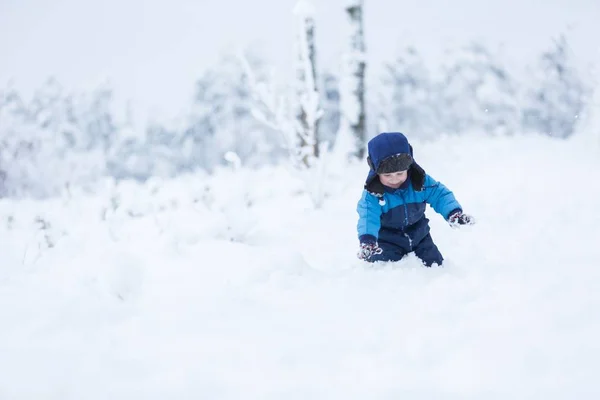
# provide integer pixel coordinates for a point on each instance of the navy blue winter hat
(389, 152)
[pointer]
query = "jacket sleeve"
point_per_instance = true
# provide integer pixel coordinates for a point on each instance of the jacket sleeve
(369, 217)
(440, 198)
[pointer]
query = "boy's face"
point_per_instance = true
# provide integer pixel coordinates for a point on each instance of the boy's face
(393, 179)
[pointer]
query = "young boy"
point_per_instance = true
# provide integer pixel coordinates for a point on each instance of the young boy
(391, 211)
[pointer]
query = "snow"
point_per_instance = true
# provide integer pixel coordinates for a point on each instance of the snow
(304, 8)
(233, 286)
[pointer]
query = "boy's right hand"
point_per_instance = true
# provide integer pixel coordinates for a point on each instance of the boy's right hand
(368, 249)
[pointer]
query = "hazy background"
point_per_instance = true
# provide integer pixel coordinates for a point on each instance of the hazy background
(153, 51)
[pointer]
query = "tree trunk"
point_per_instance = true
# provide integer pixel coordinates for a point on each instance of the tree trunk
(354, 111)
(308, 109)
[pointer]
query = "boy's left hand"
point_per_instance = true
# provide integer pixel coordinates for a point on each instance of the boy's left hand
(457, 218)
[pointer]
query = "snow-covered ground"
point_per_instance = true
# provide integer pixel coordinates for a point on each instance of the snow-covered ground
(234, 287)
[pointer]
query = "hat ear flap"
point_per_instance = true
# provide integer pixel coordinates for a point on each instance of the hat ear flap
(370, 163)
(411, 150)
(417, 176)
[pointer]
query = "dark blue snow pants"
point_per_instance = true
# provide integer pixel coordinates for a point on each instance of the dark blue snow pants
(426, 250)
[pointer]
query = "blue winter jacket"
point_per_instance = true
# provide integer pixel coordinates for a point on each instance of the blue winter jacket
(398, 215)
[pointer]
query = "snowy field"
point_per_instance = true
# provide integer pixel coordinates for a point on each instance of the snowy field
(234, 286)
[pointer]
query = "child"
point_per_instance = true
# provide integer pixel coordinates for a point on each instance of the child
(391, 211)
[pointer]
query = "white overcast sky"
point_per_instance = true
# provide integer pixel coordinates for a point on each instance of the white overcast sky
(151, 51)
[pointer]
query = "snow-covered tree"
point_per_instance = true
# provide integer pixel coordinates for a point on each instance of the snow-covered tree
(558, 96)
(292, 110)
(223, 109)
(476, 94)
(308, 110)
(277, 107)
(330, 101)
(220, 121)
(407, 101)
(352, 89)
(54, 140)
